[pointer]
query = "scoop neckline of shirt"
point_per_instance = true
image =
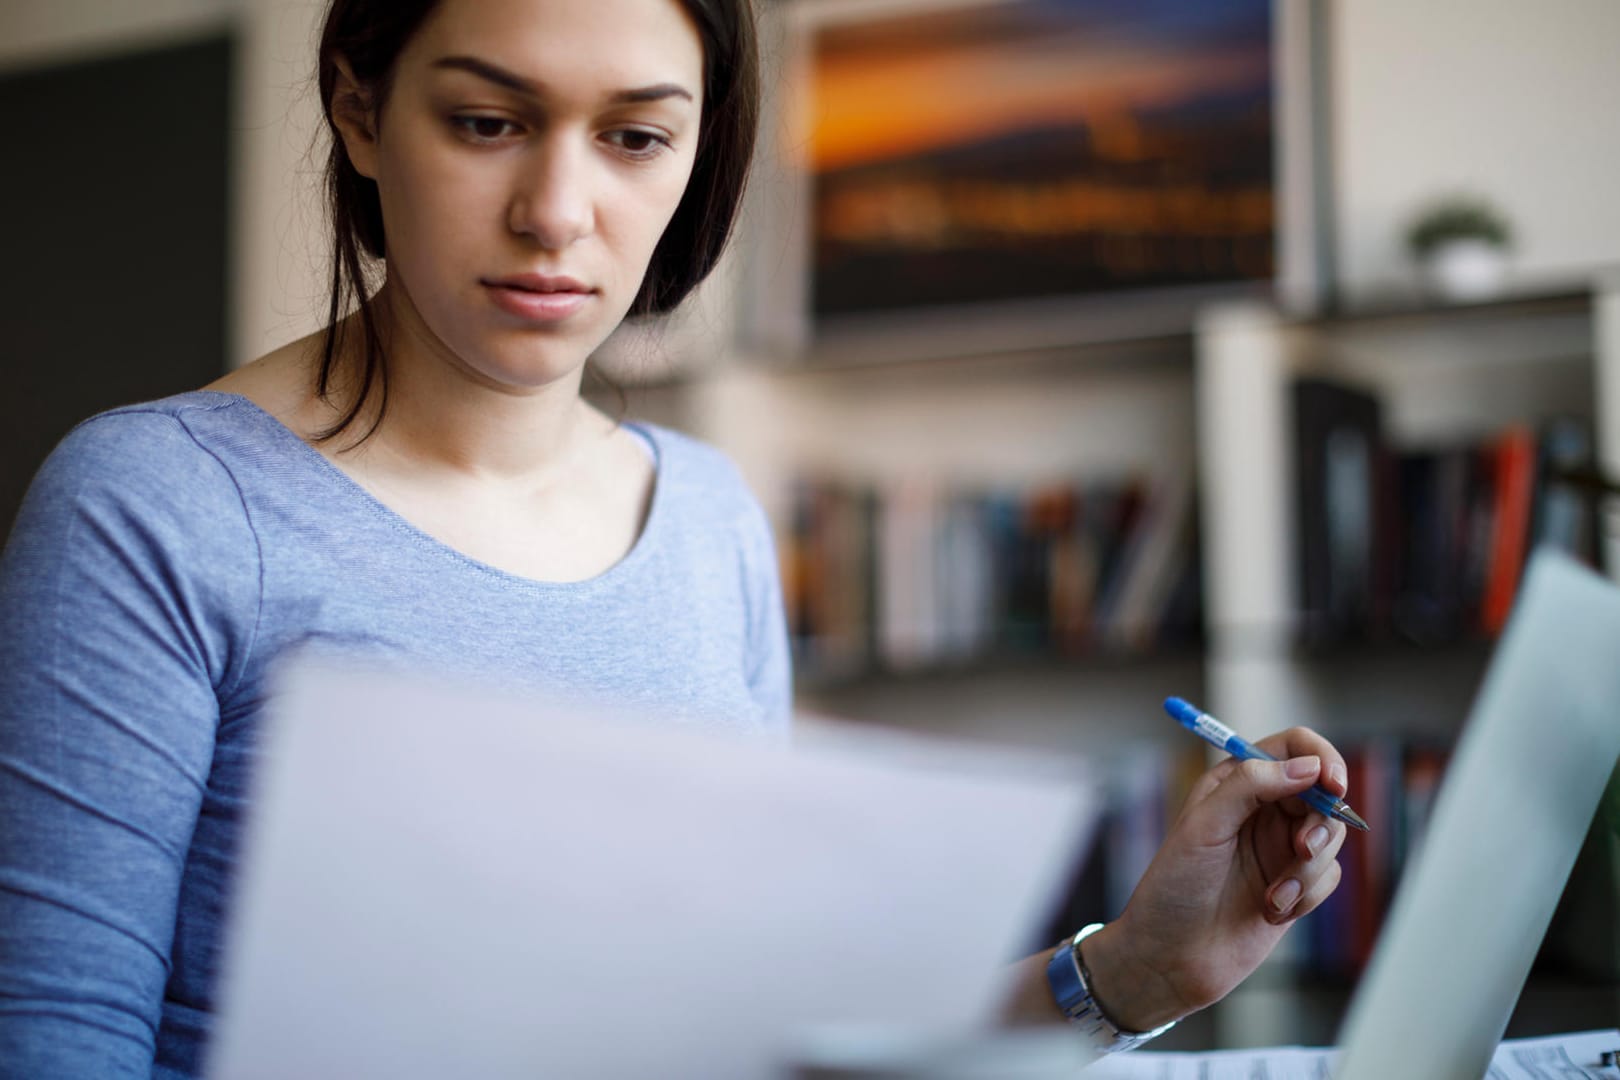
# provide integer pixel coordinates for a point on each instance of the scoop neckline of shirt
(401, 524)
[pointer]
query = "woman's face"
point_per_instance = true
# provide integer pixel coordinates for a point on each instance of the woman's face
(528, 158)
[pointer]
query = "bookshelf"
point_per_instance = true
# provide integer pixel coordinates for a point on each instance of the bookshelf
(1003, 426)
(1219, 398)
(1151, 407)
(1443, 377)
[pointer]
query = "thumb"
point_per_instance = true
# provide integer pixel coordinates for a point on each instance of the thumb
(1252, 784)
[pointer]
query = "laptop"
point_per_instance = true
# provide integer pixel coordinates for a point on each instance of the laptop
(1517, 800)
(1476, 898)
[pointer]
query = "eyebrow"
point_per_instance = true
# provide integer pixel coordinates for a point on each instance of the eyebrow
(518, 84)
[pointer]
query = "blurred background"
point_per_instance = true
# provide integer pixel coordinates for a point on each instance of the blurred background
(1082, 351)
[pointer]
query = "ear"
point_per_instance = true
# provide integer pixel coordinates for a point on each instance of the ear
(355, 120)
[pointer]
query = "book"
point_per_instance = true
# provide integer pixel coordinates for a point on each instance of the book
(1163, 537)
(1393, 783)
(1338, 437)
(1563, 517)
(1514, 454)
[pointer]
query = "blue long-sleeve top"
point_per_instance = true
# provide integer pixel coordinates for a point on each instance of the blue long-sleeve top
(164, 557)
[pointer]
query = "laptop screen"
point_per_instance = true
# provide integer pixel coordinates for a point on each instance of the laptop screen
(1514, 808)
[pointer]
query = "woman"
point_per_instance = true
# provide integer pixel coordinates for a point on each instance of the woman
(422, 484)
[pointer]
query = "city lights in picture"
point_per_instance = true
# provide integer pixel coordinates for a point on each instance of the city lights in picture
(1037, 148)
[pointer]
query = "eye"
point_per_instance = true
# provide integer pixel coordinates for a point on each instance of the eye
(639, 144)
(483, 129)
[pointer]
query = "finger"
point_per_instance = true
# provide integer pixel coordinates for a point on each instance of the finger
(1308, 896)
(1248, 786)
(1299, 888)
(1320, 878)
(1320, 888)
(1300, 742)
(1313, 833)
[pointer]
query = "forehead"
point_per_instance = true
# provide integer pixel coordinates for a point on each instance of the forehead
(567, 45)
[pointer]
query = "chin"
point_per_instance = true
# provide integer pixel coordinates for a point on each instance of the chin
(538, 373)
(530, 360)
(530, 377)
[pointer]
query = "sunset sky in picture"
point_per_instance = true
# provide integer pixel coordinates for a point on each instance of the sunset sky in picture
(904, 86)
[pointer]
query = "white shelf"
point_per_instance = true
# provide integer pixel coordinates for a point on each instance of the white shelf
(1094, 707)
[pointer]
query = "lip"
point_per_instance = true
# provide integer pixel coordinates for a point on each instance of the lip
(539, 298)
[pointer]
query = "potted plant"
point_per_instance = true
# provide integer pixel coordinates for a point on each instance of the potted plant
(1461, 245)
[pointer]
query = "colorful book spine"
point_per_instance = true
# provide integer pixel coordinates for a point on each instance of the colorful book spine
(1392, 785)
(1424, 544)
(1515, 455)
(912, 575)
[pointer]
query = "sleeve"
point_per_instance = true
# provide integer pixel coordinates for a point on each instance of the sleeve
(768, 665)
(114, 648)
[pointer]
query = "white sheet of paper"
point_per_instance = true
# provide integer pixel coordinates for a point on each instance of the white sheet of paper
(435, 884)
(1575, 1056)
(1272, 1063)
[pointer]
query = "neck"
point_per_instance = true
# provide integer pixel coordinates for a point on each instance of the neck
(442, 416)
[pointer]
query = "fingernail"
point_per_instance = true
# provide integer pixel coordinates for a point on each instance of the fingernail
(1336, 774)
(1283, 897)
(1316, 838)
(1300, 767)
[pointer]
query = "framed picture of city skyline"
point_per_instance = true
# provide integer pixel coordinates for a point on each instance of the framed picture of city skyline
(1018, 163)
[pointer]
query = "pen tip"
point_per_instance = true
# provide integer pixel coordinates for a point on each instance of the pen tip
(1353, 819)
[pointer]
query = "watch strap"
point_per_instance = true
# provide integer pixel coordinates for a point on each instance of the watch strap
(1071, 988)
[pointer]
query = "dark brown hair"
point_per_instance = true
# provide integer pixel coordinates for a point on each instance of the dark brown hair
(369, 36)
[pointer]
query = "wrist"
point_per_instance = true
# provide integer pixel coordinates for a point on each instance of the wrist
(1133, 994)
(1071, 983)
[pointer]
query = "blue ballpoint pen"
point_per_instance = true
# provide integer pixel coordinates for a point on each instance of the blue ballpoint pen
(1221, 737)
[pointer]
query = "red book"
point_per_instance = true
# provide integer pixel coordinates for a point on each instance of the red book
(1361, 877)
(1373, 792)
(1515, 454)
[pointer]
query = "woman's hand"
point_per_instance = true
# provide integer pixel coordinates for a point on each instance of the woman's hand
(1241, 863)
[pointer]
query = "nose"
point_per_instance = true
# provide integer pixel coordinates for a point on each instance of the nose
(552, 202)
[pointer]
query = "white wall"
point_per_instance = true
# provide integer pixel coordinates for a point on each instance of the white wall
(277, 222)
(35, 32)
(1512, 99)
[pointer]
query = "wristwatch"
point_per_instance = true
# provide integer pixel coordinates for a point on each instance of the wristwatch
(1071, 987)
